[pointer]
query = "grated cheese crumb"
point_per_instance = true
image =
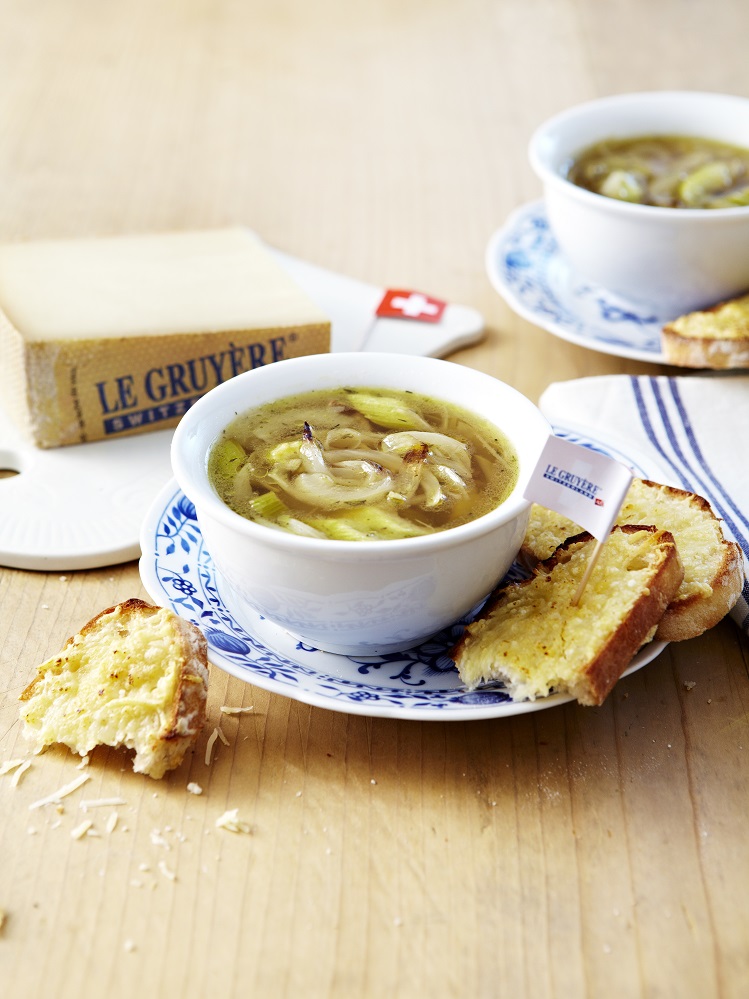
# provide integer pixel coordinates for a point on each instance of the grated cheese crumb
(158, 840)
(84, 763)
(54, 798)
(221, 736)
(5, 768)
(167, 871)
(129, 946)
(100, 803)
(20, 772)
(228, 709)
(111, 822)
(80, 830)
(194, 788)
(209, 746)
(230, 821)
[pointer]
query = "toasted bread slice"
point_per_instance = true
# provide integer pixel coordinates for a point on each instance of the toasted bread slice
(713, 570)
(535, 640)
(717, 337)
(136, 675)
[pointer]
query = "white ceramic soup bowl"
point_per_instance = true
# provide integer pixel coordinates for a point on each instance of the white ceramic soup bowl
(358, 597)
(673, 259)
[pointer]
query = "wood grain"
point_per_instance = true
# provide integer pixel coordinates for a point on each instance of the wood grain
(572, 852)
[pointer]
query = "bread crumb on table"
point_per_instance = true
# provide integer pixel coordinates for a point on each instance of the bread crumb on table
(230, 821)
(158, 840)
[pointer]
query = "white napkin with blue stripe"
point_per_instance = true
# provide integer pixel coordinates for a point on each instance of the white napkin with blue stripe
(691, 432)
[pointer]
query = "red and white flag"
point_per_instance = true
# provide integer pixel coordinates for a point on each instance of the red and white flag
(399, 304)
(584, 485)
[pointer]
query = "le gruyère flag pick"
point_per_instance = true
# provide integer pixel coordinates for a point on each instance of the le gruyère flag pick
(584, 485)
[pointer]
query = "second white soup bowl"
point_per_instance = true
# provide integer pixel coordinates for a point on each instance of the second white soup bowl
(359, 597)
(673, 259)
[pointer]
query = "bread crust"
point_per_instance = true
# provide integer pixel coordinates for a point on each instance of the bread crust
(690, 613)
(615, 655)
(715, 337)
(596, 677)
(710, 352)
(165, 748)
(695, 614)
(689, 616)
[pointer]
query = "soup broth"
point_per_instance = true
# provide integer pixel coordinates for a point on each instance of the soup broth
(667, 171)
(362, 464)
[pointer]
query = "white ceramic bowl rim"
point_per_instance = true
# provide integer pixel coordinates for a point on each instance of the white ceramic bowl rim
(551, 175)
(202, 494)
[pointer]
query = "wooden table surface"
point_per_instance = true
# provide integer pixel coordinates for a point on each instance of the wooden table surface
(564, 853)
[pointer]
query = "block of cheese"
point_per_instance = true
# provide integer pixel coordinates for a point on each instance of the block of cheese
(102, 338)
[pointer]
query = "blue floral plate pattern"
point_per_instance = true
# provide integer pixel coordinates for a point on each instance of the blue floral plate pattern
(528, 270)
(421, 683)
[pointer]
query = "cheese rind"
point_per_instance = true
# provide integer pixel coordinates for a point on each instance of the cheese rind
(106, 338)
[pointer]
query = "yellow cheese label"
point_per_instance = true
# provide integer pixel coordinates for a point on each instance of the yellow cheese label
(106, 337)
(89, 390)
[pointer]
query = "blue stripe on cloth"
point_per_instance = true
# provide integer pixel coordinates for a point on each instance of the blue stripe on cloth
(669, 431)
(649, 429)
(694, 481)
(697, 451)
(692, 471)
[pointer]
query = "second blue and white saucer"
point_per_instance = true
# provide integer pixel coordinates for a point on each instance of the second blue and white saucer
(527, 268)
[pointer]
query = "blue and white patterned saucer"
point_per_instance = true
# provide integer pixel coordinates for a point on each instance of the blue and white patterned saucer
(526, 267)
(178, 572)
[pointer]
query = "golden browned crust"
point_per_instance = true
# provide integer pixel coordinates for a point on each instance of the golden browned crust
(694, 614)
(596, 677)
(614, 657)
(715, 337)
(166, 746)
(690, 613)
(711, 352)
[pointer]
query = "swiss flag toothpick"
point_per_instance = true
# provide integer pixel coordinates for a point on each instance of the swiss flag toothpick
(584, 485)
(399, 304)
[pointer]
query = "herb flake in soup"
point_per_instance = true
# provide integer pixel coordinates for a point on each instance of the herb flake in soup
(362, 464)
(666, 171)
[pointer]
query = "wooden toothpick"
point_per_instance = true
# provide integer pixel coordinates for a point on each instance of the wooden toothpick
(594, 556)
